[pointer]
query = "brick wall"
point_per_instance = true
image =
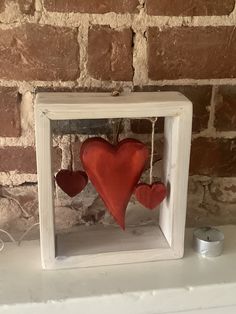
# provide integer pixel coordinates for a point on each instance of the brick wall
(131, 45)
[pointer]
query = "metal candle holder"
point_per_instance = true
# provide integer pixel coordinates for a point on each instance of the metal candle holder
(208, 241)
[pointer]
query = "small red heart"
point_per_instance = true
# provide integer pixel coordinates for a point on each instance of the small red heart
(71, 182)
(150, 196)
(114, 171)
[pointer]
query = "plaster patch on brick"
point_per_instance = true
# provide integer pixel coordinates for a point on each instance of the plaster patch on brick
(223, 190)
(27, 115)
(65, 142)
(9, 212)
(211, 201)
(11, 13)
(13, 178)
(80, 202)
(12, 16)
(66, 218)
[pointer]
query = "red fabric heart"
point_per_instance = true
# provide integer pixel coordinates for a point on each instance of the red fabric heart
(150, 196)
(114, 171)
(71, 182)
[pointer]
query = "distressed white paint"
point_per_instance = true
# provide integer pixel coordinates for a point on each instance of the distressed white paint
(190, 285)
(178, 112)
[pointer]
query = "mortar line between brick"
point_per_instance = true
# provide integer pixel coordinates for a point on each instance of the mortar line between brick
(140, 58)
(123, 20)
(211, 120)
(21, 141)
(188, 81)
(110, 84)
(215, 135)
(83, 46)
(38, 6)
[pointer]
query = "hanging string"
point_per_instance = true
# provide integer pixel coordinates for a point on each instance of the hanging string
(116, 139)
(116, 126)
(118, 131)
(2, 244)
(25, 213)
(26, 232)
(71, 150)
(153, 120)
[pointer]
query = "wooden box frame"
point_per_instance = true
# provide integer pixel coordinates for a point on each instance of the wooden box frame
(163, 242)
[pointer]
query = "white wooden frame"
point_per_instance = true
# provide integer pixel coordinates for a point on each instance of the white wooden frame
(165, 243)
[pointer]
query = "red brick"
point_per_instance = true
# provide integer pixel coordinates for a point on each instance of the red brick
(76, 153)
(200, 97)
(110, 54)
(92, 6)
(85, 126)
(56, 159)
(2, 6)
(9, 112)
(18, 158)
(190, 7)
(23, 159)
(143, 126)
(27, 6)
(158, 151)
(213, 157)
(192, 52)
(34, 52)
(225, 111)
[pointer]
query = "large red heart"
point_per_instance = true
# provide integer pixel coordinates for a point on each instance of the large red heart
(150, 196)
(72, 182)
(114, 171)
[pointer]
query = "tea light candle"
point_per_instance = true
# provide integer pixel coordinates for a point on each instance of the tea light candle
(208, 241)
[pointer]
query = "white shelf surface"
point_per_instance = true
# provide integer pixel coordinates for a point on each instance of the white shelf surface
(100, 246)
(191, 285)
(105, 239)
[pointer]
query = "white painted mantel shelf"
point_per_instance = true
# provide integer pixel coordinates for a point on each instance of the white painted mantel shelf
(191, 285)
